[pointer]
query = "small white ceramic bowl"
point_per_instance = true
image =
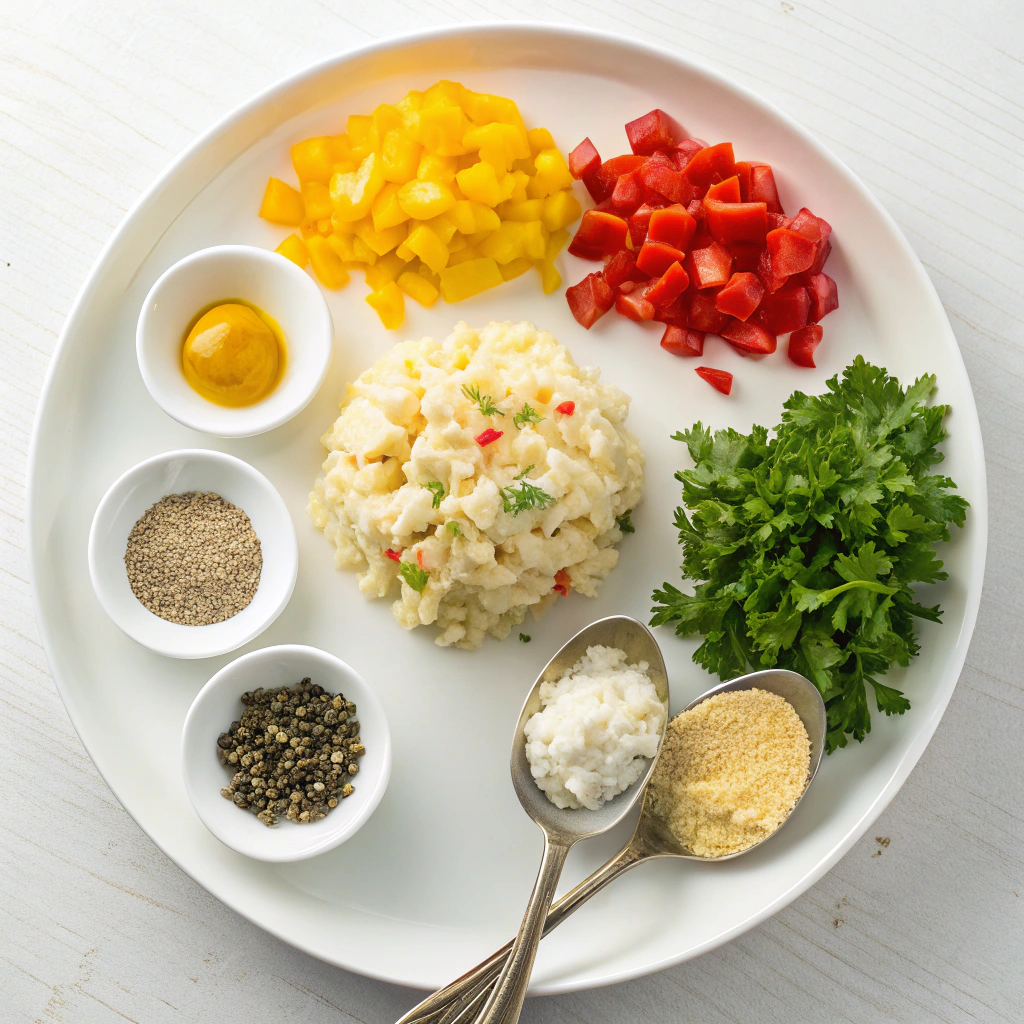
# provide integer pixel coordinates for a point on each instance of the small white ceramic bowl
(225, 272)
(218, 705)
(194, 469)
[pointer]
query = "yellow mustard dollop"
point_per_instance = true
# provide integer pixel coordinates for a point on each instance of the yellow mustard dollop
(234, 354)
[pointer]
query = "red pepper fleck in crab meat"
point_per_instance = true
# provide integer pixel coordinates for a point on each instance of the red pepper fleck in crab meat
(393, 555)
(419, 558)
(566, 408)
(562, 583)
(487, 436)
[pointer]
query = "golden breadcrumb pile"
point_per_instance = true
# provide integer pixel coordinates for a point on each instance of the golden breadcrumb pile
(730, 771)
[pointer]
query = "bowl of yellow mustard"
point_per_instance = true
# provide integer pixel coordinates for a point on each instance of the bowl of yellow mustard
(234, 340)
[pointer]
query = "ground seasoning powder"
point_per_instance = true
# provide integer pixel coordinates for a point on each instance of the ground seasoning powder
(194, 559)
(730, 771)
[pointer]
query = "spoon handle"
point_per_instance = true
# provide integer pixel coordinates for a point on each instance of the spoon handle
(451, 1001)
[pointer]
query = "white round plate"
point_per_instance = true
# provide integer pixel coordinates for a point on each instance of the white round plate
(439, 876)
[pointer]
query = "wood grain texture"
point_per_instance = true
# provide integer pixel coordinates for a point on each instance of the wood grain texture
(924, 101)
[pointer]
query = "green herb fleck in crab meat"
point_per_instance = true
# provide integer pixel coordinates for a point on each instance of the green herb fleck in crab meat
(416, 577)
(527, 415)
(525, 637)
(437, 489)
(453, 528)
(487, 407)
(624, 523)
(525, 497)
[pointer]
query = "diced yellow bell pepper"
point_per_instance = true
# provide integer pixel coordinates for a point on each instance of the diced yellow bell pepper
(425, 199)
(550, 278)
(308, 229)
(282, 204)
(390, 305)
(428, 275)
(386, 210)
(437, 168)
(294, 248)
(526, 166)
(326, 263)
(314, 159)
(498, 144)
(486, 219)
(316, 198)
(399, 156)
(425, 244)
(353, 193)
(555, 244)
(517, 194)
(384, 241)
(323, 226)
(483, 108)
(515, 268)
(544, 395)
(539, 138)
(463, 216)
(387, 268)
(463, 255)
(344, 227)
(442, 226)
(506, 244)
(442, 128)
(362, 252)
(363, 137)
(418, 288)
(552, 174)
(386, 118)
(469, 278)
(445, 92)
(403, 252)
(342, 245)
(480, 183)
(529, 210)
(560, 210)
(535, 239)
(456, 243)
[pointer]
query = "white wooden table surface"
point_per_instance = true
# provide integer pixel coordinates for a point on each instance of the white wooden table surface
(924, 99)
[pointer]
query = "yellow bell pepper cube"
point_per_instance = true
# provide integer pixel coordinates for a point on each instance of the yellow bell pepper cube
(555, 244)
(294, 248)
(308, 229)
(387, 268)
(456, 243)
(535, 239)
(485, 218)
(344, 227)
(560, 210)
(506, 244)
(442, 226)
(326, 263)
(316, 199)
(323, 226)
(550, 278)
(442, 128)
(403, 252)
(445, 93)
(363, 137)
(516, 268)
(282, 204)
(418, 288)
(484, 108)
(544, 395)
(463, 217)
(382, 242)
(342, 245)
(498, 144)
(480, 183)
(520, 179)
(386, 118)
(428, 275)
(390, 305)
(531, 209)
(423, 200)
(425, 244)
(386, 210)
(552, 174)
(437, 168)
(352, 194)
(314, 159)
(399, 156)
(469, 278)
(463, 255)
(540, 138)
(362, 252)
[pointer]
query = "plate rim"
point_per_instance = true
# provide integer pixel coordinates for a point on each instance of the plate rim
(570, 33)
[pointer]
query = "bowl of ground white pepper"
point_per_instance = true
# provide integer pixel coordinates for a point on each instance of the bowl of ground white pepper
(193, 553)
(286, 753)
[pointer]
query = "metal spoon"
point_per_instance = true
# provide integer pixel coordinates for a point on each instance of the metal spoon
(458, 1002)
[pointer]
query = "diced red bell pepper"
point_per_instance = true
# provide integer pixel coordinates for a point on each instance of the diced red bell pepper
(714, 163)
(599, 235)
(622, 267)
(676, 312)
(762, 188)
(672, 225)
(745, 256)
(824, 297)
(393, 555)
(749, 338)
(812, 227)
(601, 182)
(661, 177)
(735, 222)
(562, 583)
(681, 341)
(802, 344)
(488, 436)
(628, 193)
(742, 171)
(584, 159)
(720, 380)
(785, 310)
(777, 220)
(712, 266)
(685, 152)
(639, 222)
(565, 408)
(770, 278)
(704, 315)
(655, 258)
(669, 286)
(590, 299)
(740, 297)
(635, 305)
(790, 252)
(654, 131)
(824, 250)
(727, 191)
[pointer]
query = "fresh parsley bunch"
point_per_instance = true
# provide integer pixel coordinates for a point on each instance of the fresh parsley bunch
(808, 544)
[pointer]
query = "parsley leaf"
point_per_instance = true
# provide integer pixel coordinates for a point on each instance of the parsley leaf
(437, 489)
(487, 407)
(525, 497)
(805, 547)
(453, 528)
(525, 637)
(624, 523)
(416, 577)
(527, 415)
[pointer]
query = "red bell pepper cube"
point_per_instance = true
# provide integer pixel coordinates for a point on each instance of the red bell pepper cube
(735, 222)
(727, 191)
(662, 178)
(584, 159)
(714, 163)
(628, 193)
(488, 436)
(566, 408)
(778, 220)
(635, 305)
(590, 299)
(824, 251)
(672, 225)
(600, 183)
(639, 222)
(745, 256)
(802, 344)
(742, 171)
(704, 315)
(749, 339)
(790, 252)
(813, 228)
(720, 380)
(654, 131)
(762, 188)
(599, 235)
(621, 268)
(823, 295)
(681, 341)
(655, 258)
(676, 312)
(785, 310)
(770, 278)
(712, 266)
(669, 286)
(685, 151)
(393, 555)
(740, 297)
